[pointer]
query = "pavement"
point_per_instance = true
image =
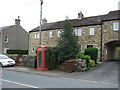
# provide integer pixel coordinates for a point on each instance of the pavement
(106, 72)
(34, 71)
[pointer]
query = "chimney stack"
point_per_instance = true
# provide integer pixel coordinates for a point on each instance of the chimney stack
(17, 21)
(80, 15)
(44, 21)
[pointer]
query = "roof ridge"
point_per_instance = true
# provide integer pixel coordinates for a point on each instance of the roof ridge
(5, 27)
(86, 21)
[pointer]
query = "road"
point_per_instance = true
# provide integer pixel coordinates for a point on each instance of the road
(13, 79)
(106, 72)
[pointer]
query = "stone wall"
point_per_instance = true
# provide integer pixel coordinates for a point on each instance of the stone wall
(108, 33)
(86, 39)
(110, 40)
(24, 60)
(33, 42)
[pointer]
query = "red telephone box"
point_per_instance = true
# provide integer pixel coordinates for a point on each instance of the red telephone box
(41, 62)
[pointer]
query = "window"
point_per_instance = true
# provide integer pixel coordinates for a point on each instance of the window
(59, 33)
(36, 35)
(79, 32)
(6, 39)
(76, 32)
(5, 50)
(33, 49)
(89, 46)
(106, 51)
(80, 48)
(91, 31)
(116, 26)
(50, 34)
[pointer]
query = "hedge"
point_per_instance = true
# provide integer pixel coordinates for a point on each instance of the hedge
(93, 52)
(17, 51)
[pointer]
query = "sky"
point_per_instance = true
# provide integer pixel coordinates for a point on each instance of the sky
(53, 10)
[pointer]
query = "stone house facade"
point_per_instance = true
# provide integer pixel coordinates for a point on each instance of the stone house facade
(13, 37)
(98, 31)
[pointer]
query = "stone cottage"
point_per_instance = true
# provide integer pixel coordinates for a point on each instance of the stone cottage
(13, 37)
(97, 31)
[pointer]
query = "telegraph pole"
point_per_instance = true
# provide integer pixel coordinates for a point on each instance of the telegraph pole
(40, 27)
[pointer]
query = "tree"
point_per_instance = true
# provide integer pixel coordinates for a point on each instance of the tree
(67, 45)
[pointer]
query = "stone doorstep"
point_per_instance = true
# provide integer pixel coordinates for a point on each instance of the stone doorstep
(99, 62)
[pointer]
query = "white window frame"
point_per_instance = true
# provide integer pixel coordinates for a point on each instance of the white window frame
(76, 32)
(5, 50)
(36, 35)
(32, 48)
(58, 33)
(50, 34)
(92, 31)
(116, 26)
(79, 32)
(6, 39)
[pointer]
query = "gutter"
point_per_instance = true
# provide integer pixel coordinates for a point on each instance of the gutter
(1, 42)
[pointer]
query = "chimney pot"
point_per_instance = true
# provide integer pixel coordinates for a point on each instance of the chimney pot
(17, 21)
(80, 15)
(44, 21)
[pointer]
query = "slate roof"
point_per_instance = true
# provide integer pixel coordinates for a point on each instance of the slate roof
(6, 27)
(86, 21)
(113, 15)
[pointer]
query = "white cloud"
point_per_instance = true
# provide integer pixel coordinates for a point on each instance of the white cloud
(53, 10)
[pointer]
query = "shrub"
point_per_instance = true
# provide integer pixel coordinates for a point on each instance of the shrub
(93, 52)
(27, 61)
(118, 49)
(87, 58)
(17, 51)
(92, 63)
(51, 58)
(80, 55)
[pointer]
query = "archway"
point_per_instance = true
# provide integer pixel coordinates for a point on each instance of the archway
(110, 50)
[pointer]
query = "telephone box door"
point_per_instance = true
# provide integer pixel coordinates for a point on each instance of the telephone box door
(41, 62)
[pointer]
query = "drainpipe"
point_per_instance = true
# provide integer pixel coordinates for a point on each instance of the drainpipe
(1, 43)
(101, 41)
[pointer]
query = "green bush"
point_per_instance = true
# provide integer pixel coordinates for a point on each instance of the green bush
(86, 57)
(92, 63)
(80, 55)
(51, 58)
(17, 51)
(118, 49)
(32, 61)
(93, 52)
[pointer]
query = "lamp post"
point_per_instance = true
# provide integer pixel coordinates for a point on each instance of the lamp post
(40, 27)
